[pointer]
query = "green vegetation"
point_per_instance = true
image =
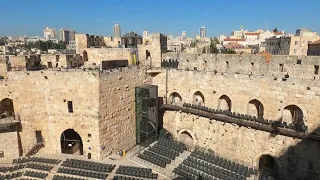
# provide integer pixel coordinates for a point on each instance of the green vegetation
(45, 45)
(275, 30)
(228, 51)
(213, 48)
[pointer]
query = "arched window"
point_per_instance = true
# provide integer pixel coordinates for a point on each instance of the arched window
(255, 108)
(224, 103)
(198, 98)
(292, 114)
(175, 98)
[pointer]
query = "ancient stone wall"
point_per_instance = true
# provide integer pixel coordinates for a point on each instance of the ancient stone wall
(3, 68)
(117, 109)
(150, 55)
(96, 55)
(274, 95)
(257, 65)
(82, 42)
(9, 145)
(295, 158)
(40, 98)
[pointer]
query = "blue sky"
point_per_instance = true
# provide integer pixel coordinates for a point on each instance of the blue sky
(30, 17)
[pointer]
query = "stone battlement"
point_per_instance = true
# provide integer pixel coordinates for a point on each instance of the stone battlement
(253, 65)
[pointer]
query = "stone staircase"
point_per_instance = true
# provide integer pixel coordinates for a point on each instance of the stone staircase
(34, 149)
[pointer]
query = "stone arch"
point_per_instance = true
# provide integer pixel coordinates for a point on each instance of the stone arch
(255, 108)
(71, 142)
(198, 98)
(293, 114)
(6, 108)
(224, 103)
(175, 98)
(85, 56)
(268, 166)
(187, 137)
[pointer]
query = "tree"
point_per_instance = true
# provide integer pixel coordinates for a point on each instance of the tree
(216, 41)
(228, 51)
(193, 44)
(275, 30)
(213, 48)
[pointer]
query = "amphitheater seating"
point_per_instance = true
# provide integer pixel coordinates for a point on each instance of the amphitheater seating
(39, 167)
(83, 173)
(39, 175)
(210, 166)
(120, 177)
(163, 152)
(88, 165)
(295, 127)
(4, 169)
(58, 177)
(137, 172)
(36, 159)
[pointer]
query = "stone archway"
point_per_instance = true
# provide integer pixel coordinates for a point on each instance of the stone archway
(292, 114)
(268, 166)
(224, 103)
(188, 138)
(255, 108)
(175, 98)
(198, 98)
(71, 142)
(6, 108)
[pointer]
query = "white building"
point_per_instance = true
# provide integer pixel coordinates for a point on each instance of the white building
(145, 34)
(203, 32)
(116, 31)
(49, 33)
(184, 34)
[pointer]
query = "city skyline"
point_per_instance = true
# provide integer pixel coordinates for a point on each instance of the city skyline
(155, 17)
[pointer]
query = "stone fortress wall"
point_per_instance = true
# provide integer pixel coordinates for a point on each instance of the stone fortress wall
(237, 85)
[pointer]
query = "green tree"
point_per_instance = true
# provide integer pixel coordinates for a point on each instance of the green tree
(275, 30)
(228, 51)
(193, 44)
(216, 41)
(213, 48)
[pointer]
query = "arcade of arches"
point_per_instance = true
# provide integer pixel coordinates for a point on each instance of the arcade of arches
(198, 98)
(175, 98)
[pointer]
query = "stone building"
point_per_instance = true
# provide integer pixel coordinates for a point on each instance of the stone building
(295, 45)
(131, 40)
(67, 35)
(314, 48)
(49, 33)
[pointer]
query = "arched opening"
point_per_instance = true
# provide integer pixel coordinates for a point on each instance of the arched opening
(292, 114)
(71, 142)
(224, 103)
(268, 167)
(175, 98)
(198, 98)
(85, 56)
(6, 108)
(186, 138)
(255, 108)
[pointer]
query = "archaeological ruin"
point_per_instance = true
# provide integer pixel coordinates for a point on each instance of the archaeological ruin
(173, 115)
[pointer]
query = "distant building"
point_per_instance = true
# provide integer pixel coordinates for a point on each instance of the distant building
(184, 34)
(72, 45)
(131, 40)
(116, 31)
(314, 48)
(203, 32)
(145, 34)
(294, 45)
(238, 48)
(49, 33)
(67, 35)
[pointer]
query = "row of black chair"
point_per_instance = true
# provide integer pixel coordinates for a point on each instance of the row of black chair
(36, 159)
(39, 175)
(58, 177)
(11, 175)
(127, 172)
(140, 169)
(169, 63)
(295, 127)
(154, 159)
(4, 169)
(120, 177)
(171, 144)
(83, 173)
(164, 152)
(39, 166)
(89, 165)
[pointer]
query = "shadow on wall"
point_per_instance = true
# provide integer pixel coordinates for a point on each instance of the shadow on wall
(298, 162)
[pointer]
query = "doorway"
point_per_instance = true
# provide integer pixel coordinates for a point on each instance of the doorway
(39, 137)
(71, 142)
